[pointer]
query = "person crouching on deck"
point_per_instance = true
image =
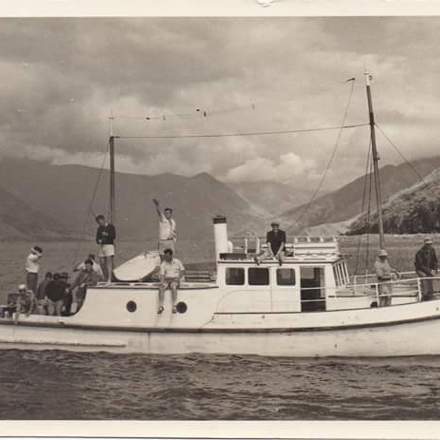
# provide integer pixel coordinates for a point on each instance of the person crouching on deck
(105, 238)
(384, 273)
(25, 301)
(171, 273)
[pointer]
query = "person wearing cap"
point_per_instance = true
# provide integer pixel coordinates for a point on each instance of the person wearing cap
(276, 241)
(25, 301)
(167, 228)
(384, 273)
(105, 238)
(32, 267)
(426, 264)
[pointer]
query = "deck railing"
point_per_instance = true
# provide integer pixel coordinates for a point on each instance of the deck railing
(413, 289)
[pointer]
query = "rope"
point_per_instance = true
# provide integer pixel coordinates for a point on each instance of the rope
(251, 133)
(335, 148)
(90, 207)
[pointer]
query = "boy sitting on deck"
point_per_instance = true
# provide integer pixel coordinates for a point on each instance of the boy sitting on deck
(171, 273)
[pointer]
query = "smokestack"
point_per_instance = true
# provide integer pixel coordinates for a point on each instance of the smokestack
(220, 235)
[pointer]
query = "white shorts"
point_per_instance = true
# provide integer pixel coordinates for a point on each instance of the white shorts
(106, 250)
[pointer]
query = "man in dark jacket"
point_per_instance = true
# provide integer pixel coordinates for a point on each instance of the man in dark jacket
(276, 241)
(105, 238)
(56, 290)
(426, 264)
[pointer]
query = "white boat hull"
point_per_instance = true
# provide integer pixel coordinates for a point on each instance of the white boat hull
(406, 338)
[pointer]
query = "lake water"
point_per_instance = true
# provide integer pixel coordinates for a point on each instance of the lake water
(64, 385)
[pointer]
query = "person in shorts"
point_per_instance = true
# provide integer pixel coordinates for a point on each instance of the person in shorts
(171, 273)
(32, 268)
(105, 238)
(167, 228)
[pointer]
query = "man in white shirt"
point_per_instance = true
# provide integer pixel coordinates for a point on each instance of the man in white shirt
(32, 267)
(167, 229)
(171, 273)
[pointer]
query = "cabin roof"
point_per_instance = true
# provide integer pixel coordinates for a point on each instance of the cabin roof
(308, 249)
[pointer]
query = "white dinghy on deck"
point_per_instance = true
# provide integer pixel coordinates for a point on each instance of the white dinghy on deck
(138, 268)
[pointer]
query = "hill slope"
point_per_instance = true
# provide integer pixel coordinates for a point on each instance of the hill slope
(414, 210)
(270, 198)
(345, 203)
(19, 221)
(64, 194)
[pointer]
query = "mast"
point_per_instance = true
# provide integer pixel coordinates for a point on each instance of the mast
(112, 178)
(111, 144)
(375, 163)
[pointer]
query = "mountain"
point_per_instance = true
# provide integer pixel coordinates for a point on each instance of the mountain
(411, 211)
(270, 198)
(346, 203)
(19, 221)
(65, 193)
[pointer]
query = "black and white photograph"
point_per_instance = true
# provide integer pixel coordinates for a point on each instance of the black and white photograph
(220, 217)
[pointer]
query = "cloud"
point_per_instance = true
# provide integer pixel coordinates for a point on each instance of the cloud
(61, 78)
(259, 169)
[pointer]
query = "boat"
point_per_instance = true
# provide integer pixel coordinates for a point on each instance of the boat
(306, 306)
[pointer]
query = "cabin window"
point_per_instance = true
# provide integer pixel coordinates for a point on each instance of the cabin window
(234, 276)
(258, 276)
(286, 277)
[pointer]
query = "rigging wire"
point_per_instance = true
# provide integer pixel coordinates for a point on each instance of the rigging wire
(253, 133)
(364, 196)
(407, 162)
(367, 254)
(335, 148)
(202, 111)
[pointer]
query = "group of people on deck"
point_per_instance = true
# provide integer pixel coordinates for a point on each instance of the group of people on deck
(426, 265)
(54, 295)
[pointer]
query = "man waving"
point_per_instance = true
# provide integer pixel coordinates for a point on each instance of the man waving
(167, 228)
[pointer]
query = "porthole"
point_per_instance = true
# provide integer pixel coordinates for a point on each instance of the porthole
(181, 307)
(131, 306)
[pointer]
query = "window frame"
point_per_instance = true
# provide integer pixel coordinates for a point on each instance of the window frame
(267, 269)
(289, 286)
(242, 269)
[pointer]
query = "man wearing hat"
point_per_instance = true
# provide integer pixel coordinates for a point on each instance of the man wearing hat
(426, 263)
(32, 267)
(276, 241)
(384, 273)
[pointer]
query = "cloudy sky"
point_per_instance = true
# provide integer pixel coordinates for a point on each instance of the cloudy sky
(60, 79)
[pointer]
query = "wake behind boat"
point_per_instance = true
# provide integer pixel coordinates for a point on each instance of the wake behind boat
(306, 305)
